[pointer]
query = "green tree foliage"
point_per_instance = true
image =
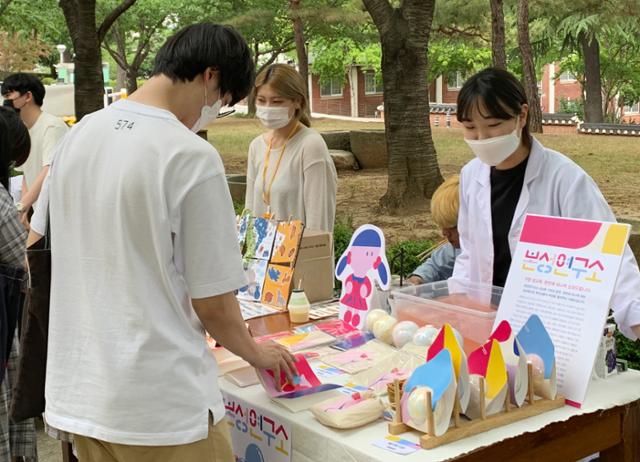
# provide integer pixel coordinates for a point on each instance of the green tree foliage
(43, 26)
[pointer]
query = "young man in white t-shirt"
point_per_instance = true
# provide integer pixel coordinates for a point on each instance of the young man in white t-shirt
(144, 259)
(26, 93)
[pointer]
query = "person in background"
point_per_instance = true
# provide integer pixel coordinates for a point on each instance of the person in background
(26, 93)
(444, 211)
(290, 172)
(17, 440)
(145, 259)
(513, 175)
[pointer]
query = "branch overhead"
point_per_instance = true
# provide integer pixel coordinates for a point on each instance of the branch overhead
(111, 18)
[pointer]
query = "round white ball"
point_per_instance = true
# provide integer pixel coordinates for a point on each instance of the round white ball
(417, 405)
(425, 335)
(383, 329)
(403, 333)
(373, 316)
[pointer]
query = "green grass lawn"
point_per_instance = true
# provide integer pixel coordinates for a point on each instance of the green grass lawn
(613, 162)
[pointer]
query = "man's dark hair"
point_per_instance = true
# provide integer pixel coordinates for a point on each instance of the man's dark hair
(197, 47)
(15, 143)
(501, 94)
(23, 83)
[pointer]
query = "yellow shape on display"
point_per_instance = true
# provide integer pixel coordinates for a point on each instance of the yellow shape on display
(292, 340)
(451, 344)
(496, 377)
(615, 239)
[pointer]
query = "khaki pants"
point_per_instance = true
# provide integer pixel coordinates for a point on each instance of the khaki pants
(215, 448)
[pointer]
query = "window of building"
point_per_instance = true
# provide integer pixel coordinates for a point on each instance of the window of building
(567, 77)
(633, 109)
(455, 80)
(372, 85)
(331, 87)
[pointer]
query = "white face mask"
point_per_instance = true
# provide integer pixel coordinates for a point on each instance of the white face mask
(273, 117)
(494, 151)
(208, 114)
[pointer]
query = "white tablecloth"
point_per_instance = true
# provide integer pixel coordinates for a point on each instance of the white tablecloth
(312, 441)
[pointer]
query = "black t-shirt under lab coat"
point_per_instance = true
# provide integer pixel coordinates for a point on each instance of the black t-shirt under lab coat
(506, 186)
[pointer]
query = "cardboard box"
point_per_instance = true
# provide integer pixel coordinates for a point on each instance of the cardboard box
(315, 265)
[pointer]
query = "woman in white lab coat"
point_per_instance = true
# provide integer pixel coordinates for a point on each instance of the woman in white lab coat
(513, 175)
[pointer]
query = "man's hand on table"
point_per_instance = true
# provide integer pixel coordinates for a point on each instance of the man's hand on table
(271, 355)
(221, 317)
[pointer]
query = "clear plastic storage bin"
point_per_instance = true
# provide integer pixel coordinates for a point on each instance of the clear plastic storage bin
(469, 307)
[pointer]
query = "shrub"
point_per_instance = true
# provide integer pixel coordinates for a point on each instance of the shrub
(410, 259)
(238, 207)
(628, 350)
(342, 232)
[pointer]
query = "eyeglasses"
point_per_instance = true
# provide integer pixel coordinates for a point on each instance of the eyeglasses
(226, 113)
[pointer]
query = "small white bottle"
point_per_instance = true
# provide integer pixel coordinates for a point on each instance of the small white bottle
(299, 307)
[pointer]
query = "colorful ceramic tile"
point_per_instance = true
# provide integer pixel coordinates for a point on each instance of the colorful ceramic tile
(277, 286)
(287, 242)
(260, 236)
(243, 221)
(255, 271)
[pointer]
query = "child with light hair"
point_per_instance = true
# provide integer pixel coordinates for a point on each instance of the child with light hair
(444, 211)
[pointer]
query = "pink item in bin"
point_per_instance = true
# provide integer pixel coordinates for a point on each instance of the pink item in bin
(469, 307)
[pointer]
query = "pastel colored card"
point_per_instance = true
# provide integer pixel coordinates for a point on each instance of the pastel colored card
(353, 361)
(306, 340)
(436, 377)
(565, 271)
(277, 286)
(255, 271)
(397, 366)
(362, 264)
(353, 340)
(305, 383)
(446, 339)
(261, 234)
(359, 359)
(335, 327)
(397, 445)
(287, 242)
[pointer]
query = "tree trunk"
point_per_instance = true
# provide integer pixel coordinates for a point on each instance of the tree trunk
(301, 48)
(413, 165)
(497, 35)
(132, 80)
(528, 67)
(121, 78)
(593, 84)
(89, 84)
(80, 17)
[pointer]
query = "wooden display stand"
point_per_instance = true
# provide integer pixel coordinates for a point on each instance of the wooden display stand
(463, 428)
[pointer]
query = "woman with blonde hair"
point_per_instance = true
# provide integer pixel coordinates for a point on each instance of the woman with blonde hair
(290, 172)
(444, 211)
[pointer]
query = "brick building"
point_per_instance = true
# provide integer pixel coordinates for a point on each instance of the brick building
(360, 94)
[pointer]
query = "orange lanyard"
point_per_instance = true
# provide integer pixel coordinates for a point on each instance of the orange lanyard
(266, 191)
